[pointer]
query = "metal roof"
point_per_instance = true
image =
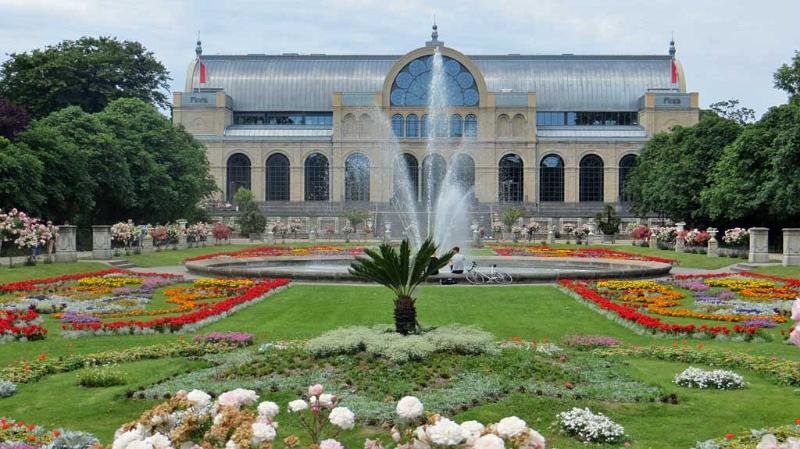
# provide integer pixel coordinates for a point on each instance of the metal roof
(561, 82)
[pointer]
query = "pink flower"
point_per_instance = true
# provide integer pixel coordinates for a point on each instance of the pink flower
(315, 390)
(796, 310)
(330, 443)
(794, 337)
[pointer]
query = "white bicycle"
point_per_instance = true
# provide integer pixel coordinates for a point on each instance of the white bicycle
(494, 276)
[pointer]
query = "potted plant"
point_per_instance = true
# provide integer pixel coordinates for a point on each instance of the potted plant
(509, 217)
(567, 230)
(608, 223)
(355, 217)
(251, 221)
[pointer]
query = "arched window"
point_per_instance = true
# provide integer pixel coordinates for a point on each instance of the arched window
(423, 126)
(412, 83)
(551, 179)
(471, 126)
(456, 126)
(412, 126)
(591, 178)
(626, 164)
(518, 126)
(397, 125)
(317, 177)
(277, 178)
(462, 171)
(433, 170)
(509, 179)
(406, 177)
(439, 127)
(238, 174)
(503, 127)
(356, 178)
(365, 127)
(349, 126)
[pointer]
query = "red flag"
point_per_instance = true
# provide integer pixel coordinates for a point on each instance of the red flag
(203, 73)
(674, 73)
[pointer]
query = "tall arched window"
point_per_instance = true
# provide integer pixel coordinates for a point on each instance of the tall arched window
(356, 178)
(509, 179)
(503, 128)
(349, 126)
(277, 178)
(462, 171)
(456, 126)
(626, 164)
(406, 177)
(518, 126)
(397, 125)
(412, 126)
(412, 83)
(238, 174)
(439, 127)
(471, 126)
(365, 126)
(591, 178)
(551, 178)
(423, 126)
(317, 177)
(433, 170)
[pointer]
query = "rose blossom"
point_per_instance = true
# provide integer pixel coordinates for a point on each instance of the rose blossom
(342, 418)
(262, 432)
(535, 439)
(315, 390)
(796, 309)
(409, 407)
(330, 443)
(297, 405)
(794, 337)
(326, 400)
(159, 441)
(471, 430)
(510, 426)
(446, 433)
(237, 397)
(268, 409)
(198, 398)
(489, 441)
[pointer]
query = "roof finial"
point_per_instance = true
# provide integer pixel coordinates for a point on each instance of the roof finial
(672, 45)
(435, 33)
(199, 49)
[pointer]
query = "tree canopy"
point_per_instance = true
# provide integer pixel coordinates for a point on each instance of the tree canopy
(89, 73)
(13, 119)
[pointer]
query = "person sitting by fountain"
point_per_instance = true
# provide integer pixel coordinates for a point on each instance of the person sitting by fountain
(457, 261)
(432, 265)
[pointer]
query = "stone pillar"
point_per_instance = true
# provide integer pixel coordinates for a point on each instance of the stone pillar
(759, 250)
(551, 236)
(713, 245)
(101, 242)
(653, 241)
(182, 223)
(476, 239)
(147, 243)
(66, 250)
(271, 238)
(312, 236)
(791, 247)
(680, 241)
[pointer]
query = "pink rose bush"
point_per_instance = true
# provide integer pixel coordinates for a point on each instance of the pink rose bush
(236, 420)
(794, 336)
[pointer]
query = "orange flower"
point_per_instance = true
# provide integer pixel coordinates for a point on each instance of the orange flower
(729, 436)
(797, 421)
(56, 433)
(40, 357)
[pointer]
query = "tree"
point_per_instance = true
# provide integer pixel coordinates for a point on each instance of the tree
(20, 178)
(787, 77)
(252, 221)
(13, 119)
(88, 73)
(402, 274)
(510, 216)
(608, 221)
(356, 216)
(730, 110)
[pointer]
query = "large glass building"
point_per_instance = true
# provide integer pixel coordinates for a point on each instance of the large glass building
(314, 134)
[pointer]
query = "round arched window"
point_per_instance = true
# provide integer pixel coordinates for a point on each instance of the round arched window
(412, 84)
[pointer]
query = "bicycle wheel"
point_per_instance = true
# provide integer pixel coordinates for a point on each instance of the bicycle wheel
(474, 277)
(505, 278)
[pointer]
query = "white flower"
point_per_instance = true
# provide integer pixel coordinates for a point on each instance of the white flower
(471, 430)
(139, 445)
(489, 441)
(237, 397)
(535, 440)
(342, 418)
(230, 445)
(409, 407)
(326, 400)
(768, 442)
(268, 409)
(315, 390)
(125, 438)
(262, 432)
(446, 433)
(510, 426)
(198, 398)
(396, 435)
(159, 441)
(297, 405)
(330, 443)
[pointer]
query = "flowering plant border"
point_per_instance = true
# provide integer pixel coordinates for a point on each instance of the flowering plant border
(275, 251)
(590, 253)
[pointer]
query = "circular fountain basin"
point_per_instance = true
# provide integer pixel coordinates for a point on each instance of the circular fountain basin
(523, 269)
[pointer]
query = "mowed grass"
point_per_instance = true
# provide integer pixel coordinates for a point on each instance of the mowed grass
(43, 270)
(779, 270)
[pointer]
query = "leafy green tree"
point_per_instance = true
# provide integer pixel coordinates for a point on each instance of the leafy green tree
(356, 216)
(787, 77)
(13, 119)
(402, 273)
(608, 221)
(251, 220)
(731, 110)
(509, 216)
(20, 178)
(89, 73)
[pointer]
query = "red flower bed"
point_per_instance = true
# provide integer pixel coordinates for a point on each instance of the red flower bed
(17, 325)
(175, 323)
(273, 251)
(592, 253)
(646, 321)
(31, 284)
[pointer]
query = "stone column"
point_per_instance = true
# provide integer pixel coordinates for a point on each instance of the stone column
(101, 242)
(791, 247)
(551, 236)
(759, 250)
(713, 245)
(182, 223)
(653, 240)
(66, 251)
(680, 241)
(147, 243)
(312, 236)
(476, 239)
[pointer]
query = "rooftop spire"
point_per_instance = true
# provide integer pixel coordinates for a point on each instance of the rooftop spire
(434, 42)
(199, 49)
(672, 46)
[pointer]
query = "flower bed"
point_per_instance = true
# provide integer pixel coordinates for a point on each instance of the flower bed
(589, 427)
(231, 338)
(274, 251)
(780, 437)
(704, 379)
(591, 253)
(15, 434)
(22, 325)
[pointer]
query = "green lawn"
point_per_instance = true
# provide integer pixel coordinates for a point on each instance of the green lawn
(779, 270)
(43, 270)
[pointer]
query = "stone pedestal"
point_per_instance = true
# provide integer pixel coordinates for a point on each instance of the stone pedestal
(101, 242)
(759, 249)
(791, 247)
(182, 223)
(476, 239)
(387, 236)
(312, 236)
(182, 243)
(271, 237)
(680, 240)
(652, 241)
(713, 245)
(66, 250)
(147, 243)
(551, 237)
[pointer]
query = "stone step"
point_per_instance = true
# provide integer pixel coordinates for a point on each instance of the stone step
(120, 263)
(743, 266)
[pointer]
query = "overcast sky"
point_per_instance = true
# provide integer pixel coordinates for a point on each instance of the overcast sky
(729, 49)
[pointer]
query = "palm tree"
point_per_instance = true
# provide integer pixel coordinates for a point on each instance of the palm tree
(401, 273)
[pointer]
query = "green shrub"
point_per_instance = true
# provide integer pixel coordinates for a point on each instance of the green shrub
(101, 376)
